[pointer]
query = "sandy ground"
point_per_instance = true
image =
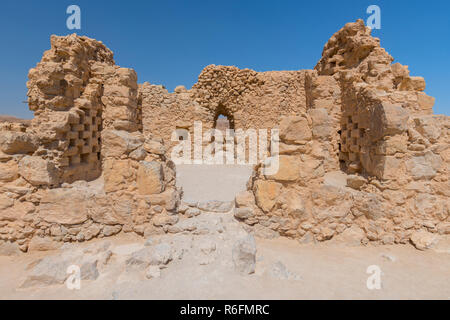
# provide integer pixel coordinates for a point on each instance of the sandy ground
(317, 271)
(202, 265)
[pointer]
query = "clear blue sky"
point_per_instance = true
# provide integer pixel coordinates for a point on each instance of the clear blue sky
(169, 42)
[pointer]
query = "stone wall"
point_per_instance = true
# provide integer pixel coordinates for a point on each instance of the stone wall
(382, 178)
(249, 99)
(83, 168)
(362, 157)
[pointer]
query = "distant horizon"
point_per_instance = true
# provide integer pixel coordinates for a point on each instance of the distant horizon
(170, 43)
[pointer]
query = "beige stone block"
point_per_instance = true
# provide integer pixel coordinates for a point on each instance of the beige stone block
(295, 129)
(117, 174)
(9, 171)
(266, 193)
(150, 177)
(425, 101)
(388, 119)
(17, 142)
(288, 170)
(63, 206)
(38, 171)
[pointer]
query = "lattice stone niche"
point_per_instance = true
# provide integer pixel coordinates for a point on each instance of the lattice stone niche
(353, 142)
(81, 160)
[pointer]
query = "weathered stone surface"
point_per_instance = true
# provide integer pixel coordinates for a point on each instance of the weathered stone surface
(153, 272)
(424, 167)
(245, 199)
(38, 171)
(118, 142)
(215, 206)
(63, 206)
(289, 169)
(160, 254)
(43, 244)
(169, 199)
(244, 255)
(423, 240)
(117, 173)
(9, 249)
(9, 171)
(52, 270)
(150, 177)
(17, 142)
(243, 213)
(321, 122)
(266, 193)
(388, 119)
(295, 129)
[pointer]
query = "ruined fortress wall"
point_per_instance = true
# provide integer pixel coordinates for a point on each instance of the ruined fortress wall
(394, 162)
(362, 158)
(87, 123)
(249, 99)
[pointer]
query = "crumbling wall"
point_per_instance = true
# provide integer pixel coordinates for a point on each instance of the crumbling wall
(87, 123)
(249, 99)
(362, 158)
(393, 155)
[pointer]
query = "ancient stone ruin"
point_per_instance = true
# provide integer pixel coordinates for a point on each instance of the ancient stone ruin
(362, 157)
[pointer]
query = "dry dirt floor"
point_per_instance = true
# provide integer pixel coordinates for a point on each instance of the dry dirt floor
(202, 268)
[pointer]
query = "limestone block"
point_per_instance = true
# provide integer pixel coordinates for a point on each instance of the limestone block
(266, 193)
(425, 101)
(428, 126)
(117, 174)
(321, 123)
(116, 143)
(9, 171)
(169, 199)
(388, 119)
(289, 169)
(295, 204)
(245, 199)
(295, 129)
(386, 167)
(38, 171)
(423, 240)
(63, 206)
(424, 167)
(150, 177)
(17, 142)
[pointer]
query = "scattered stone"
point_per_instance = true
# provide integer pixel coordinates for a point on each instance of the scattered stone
(423, 240)
(279, 271)
(243, 213)
(389, 257)
(43, 244)
(244, 255)
(153, 272)
(215, 206)
(9, 249)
